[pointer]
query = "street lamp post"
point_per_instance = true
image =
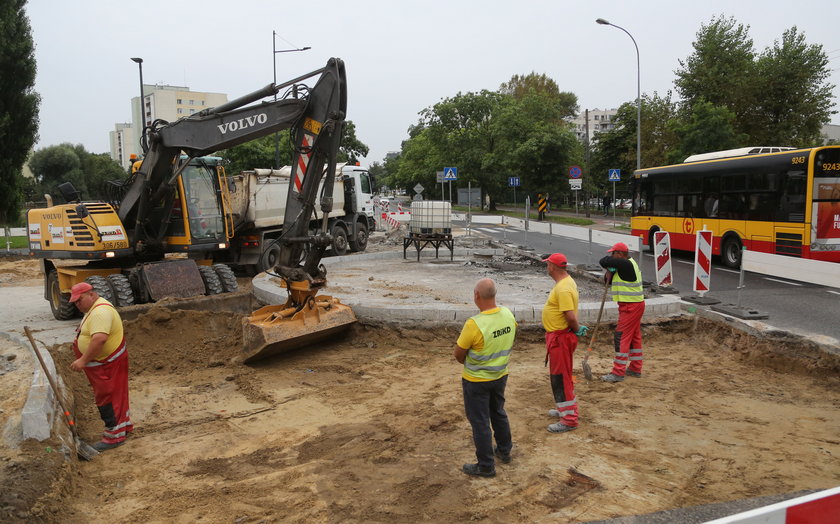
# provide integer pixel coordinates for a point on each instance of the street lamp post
(638, 96)
(274, 63)
(139, 62)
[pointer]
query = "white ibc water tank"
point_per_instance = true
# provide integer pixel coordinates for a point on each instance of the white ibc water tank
(430, 217)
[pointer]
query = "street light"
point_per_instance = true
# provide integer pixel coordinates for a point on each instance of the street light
(638, 96)
(139, 62)
(274, 62)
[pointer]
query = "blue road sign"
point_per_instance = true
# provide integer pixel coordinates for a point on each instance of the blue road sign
(513, 181)
(615, 175)
(450, 174)
(575, 172)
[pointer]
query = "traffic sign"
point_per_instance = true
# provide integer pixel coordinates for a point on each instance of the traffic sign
(513, 181)
(575, 172)
(450, 174)
(615, 175)
(439, 178)
(418, 188)
(576, 184)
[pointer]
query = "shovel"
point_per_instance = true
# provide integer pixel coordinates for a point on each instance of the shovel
(587, 371)
(83, 450)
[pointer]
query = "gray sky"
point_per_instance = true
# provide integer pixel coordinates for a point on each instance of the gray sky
(401, 56)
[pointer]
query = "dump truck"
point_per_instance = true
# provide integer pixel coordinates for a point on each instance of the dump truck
(257, 203)
(127, 242)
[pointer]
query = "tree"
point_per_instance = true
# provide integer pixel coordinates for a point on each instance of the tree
(89, 173)
(721, 70)
(351, 147)
(796, 98)
(520, 86)
(18, 105)
(709, 129)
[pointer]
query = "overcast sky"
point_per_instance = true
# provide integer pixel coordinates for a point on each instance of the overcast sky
(401, 55)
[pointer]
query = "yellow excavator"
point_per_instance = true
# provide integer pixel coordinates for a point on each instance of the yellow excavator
(176, 201)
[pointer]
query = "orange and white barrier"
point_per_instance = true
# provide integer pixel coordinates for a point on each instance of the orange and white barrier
(395, 219)
(662, 256)
(817, 508)
(702, 262)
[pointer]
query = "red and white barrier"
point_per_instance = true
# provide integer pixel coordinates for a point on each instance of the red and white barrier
(822, 507)
(662, 256)
(702, 262)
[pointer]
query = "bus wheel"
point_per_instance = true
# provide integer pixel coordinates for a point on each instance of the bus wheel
(651, 239)
(730, 252)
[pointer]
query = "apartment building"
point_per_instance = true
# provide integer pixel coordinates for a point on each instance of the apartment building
(163, 102)
(600, 120)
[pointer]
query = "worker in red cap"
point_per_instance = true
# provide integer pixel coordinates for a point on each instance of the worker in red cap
(100, 352)
(628, 292)
(559, 319)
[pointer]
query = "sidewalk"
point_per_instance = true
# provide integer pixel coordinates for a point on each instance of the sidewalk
(600, 222)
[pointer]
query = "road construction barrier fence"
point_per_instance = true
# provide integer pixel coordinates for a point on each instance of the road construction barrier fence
(662, 258)
(822, 506)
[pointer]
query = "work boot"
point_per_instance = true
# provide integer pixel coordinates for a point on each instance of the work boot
(635, 374)
(553, 413)
(477, 471)
(559, 427)
(504, 457)
(609, 377)
(104, 446)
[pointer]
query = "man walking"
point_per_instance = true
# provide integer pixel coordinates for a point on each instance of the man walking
(484, 347)
(101, 354)
(628, 292)
(559, 319)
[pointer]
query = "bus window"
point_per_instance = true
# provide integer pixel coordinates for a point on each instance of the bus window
(791, 203)
(733, 206)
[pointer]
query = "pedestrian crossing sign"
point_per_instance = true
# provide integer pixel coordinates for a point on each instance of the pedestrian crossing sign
(615, 175)
(450, 174)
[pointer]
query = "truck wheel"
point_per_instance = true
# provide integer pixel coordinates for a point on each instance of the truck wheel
(60, 304)
(730, 252)
(123, 294)
(212, 285)
(226, 277)
(269, 258)
(339, 243)
(102, 287)
(360, 242)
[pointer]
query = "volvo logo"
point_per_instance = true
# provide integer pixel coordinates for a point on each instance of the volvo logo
(243, 123)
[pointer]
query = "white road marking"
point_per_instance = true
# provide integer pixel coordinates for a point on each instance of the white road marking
(833, 292)
(782, 281)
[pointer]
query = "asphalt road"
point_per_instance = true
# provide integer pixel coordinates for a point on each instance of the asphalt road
(800, 308)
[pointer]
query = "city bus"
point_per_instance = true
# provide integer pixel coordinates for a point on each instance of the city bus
(784, 203)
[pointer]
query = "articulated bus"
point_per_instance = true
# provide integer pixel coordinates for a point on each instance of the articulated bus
(785, 203)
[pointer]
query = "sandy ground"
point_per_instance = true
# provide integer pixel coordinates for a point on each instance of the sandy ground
(370, 428)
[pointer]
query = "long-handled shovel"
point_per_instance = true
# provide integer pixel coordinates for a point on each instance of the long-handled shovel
(587, 371)
(83, 450)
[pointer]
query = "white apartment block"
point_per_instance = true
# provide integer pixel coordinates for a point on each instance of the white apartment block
(163, 102)
(600, 120)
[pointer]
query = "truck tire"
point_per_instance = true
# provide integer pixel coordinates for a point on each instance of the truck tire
(226, 277)
(102, 287)
(269, 258)
(123, 294)
(360, 241)
(60, 304)
(212, 284)
(339, 243)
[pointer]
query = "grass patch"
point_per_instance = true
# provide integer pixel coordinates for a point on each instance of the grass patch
(15, 242)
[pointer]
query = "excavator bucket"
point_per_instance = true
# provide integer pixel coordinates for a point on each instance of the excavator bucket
(271, 330)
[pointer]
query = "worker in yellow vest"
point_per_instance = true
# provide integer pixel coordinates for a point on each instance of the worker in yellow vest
(484, 348)
(629, 293)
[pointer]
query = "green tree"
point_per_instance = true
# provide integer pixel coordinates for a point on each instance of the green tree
(795, 95)
(721, 70)
(711, 128)
(351, 147)
(533, 84)
(89, 173)
(18, 105)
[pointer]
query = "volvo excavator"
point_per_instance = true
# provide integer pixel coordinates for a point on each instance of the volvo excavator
(176, 202)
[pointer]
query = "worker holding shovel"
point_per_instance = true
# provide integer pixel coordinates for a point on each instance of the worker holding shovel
(100, 352)
(559, 319)
(628, 292)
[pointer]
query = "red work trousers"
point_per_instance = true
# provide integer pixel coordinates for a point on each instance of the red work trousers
(561, 347)
(628, 338)
(109, 381)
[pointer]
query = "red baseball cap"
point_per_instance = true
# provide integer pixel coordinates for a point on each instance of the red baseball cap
(619, 246)
(78, 290)
(558, 259)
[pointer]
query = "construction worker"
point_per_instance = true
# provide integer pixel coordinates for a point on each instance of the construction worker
(628, 292)
(484, 347)
(100, 352)
(559, 319)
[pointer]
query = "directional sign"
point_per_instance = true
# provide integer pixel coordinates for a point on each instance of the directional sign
(439, 175)
(450, 174)
(418, 188)
(513, 181)
(576, 184)
(575, 172)
(615, 175)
